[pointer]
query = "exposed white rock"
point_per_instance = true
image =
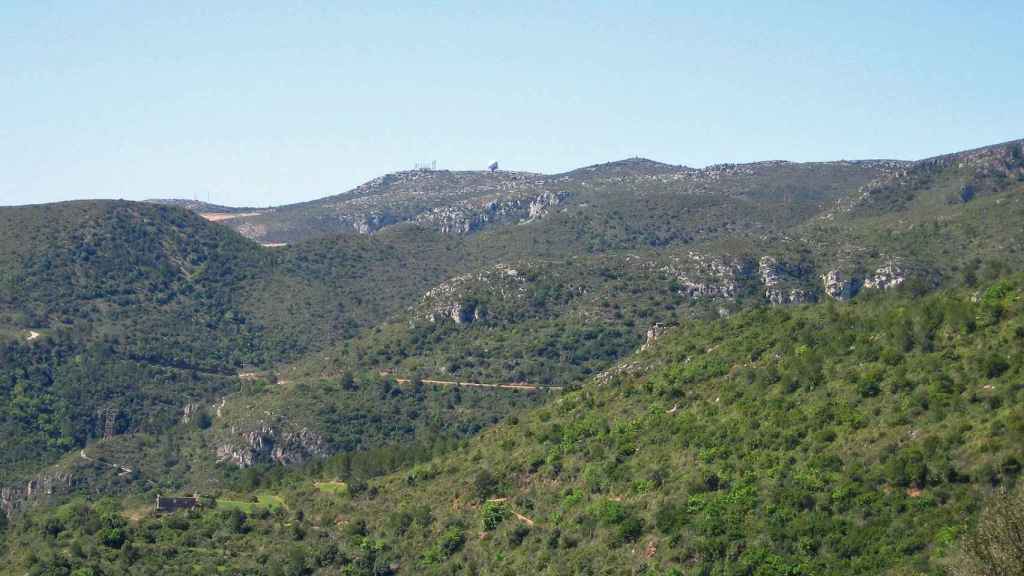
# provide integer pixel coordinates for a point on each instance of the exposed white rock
(770, 272)
(452, 300)
(189, 412)
(705, 276)
(838, 286)
(13, 498)
(540, 205)
(885, 277)
(653, 333)
(267, 443)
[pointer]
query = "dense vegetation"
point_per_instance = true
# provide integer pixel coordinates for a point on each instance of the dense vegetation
(605, 206)
(827, 439)
(839, 437)
(139, 309)
(368, 424)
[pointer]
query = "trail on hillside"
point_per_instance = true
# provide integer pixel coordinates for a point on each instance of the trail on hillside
(406, 381)
(222, 216)
(511, 386)
(123, 469)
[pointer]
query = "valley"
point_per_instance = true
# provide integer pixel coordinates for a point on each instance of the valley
(635, 367)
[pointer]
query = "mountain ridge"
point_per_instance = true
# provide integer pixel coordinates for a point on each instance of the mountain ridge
(169, 343)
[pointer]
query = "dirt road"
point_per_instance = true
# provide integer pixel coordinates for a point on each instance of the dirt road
(124, 469)
(513, 386)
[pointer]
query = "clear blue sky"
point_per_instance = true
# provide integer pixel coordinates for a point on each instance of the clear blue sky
(256, 103)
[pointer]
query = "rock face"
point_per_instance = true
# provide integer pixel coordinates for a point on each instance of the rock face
(473, 215)
(718, 277)
(885, 277)
(725, 278)
(838, 285)
(269, 443)
(454, 299)
(373, 221)
(772, 276)
(15, 498)
(446, 201)
(189, 412)
(541, 205)
(841, 286)
(653, 333)
(985, 169)
(706, 276)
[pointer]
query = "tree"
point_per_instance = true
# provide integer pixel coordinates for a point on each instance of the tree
(348, 383)
(203, 420)
(484, 484)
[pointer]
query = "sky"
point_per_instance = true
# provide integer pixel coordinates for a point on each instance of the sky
(265, 103)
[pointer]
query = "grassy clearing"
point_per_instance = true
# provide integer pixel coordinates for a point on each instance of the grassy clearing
(336, 487)
(269, 501)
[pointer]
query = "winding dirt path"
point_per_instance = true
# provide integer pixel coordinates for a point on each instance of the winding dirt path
(519, 516)
(124, 469)
(513, 386)
(222, 216)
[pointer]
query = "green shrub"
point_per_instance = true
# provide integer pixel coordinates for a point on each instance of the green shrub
(484, 485)
(670, 517)
(493, 514)
(518, 534)
(451, 541)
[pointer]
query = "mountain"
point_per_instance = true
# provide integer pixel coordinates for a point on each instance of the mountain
(466, 202)
(202, 207)
(115, 315)
(150, 348)
(818, 439)
(852, 439)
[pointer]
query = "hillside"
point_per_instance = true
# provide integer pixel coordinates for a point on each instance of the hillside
(856, 439)
(147, 348)
(465, 202)
(657, 244)
(201, 207)
(818, 439)
(114, 316)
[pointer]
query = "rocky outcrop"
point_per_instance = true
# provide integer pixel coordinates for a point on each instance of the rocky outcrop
(462, 312)
(773, 276)
(454, 299)
(705, 276)
(271, 443)
(885, 277)
(372, 222)
(986, 169)
(722, 277)
(15, 498)
(653, 333)
(189, 412)
(472, 215)
(541, 205)
(838, 285)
